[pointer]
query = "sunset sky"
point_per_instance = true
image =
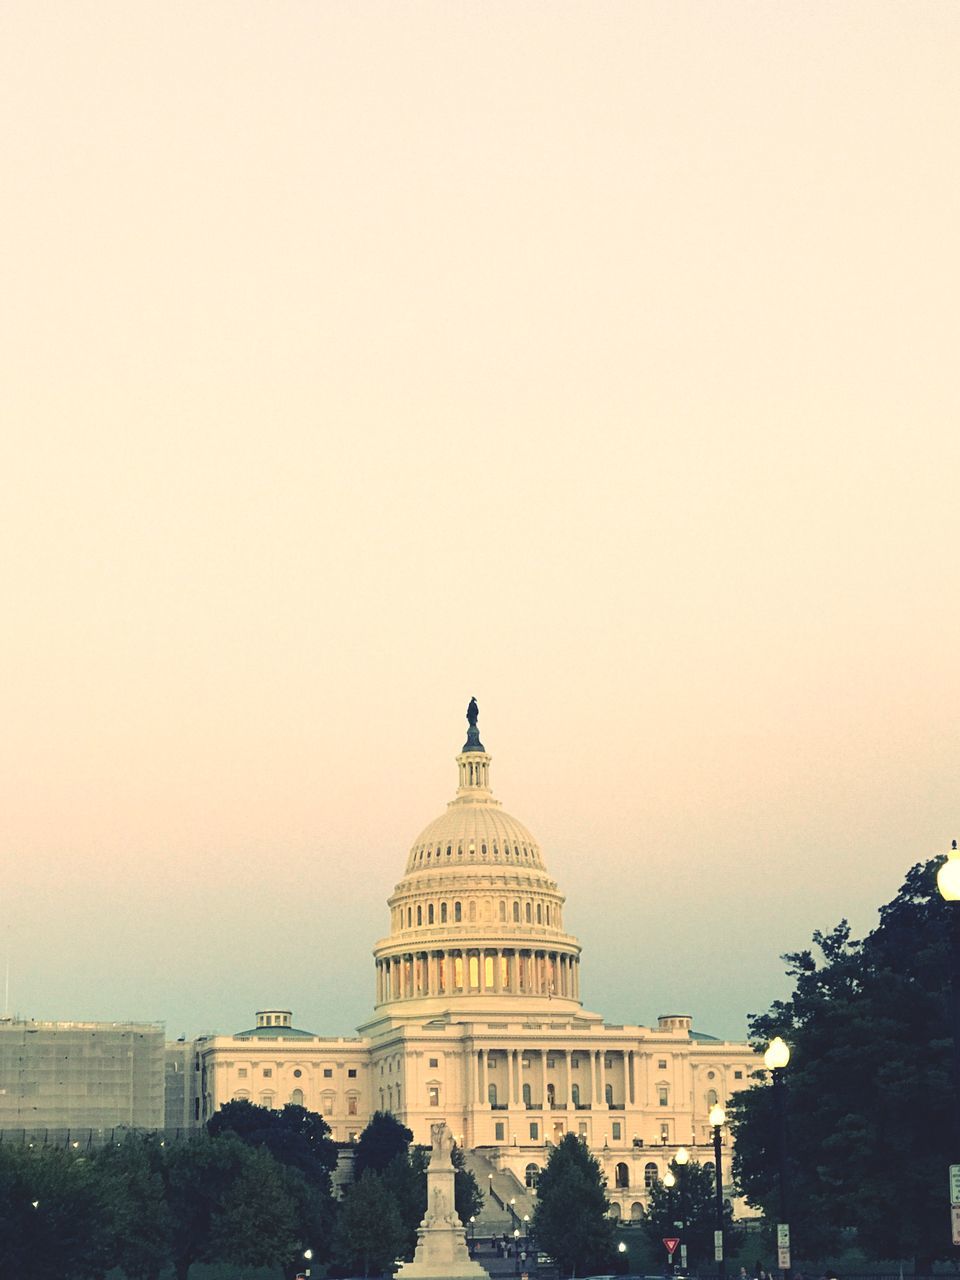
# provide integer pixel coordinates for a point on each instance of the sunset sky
(599, 360)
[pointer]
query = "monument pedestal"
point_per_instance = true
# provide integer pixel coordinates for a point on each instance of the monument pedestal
(441, 1240)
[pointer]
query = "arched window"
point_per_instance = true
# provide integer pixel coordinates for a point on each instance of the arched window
(296, 1097)
(443, 913)
(531, 1175)
(503, 910)
(472, 911)
(551, 1093)
(457, 913)
(492, 1094)
(430, 914)
(529, 913)
(527, 1096)
(240, 1095)
(575, 1094)
(636, 1211)
(708, 1167)
(516, 913)
(419, 915)
(650, 1175)
(539, 914)
(266, 1100)
(712, 1098)
(608, 1098)
(409, 917)
(622, 1176)
(614, 1210)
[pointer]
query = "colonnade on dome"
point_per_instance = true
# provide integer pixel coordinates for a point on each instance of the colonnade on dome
(478, 971)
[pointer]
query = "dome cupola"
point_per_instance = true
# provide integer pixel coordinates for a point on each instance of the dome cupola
(476, 920)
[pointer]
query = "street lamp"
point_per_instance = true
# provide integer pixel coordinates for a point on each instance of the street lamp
(948, 882)
(681, 1158)
(775, 1060)
(669, 1181)
(516, 1247)
(717, 1117)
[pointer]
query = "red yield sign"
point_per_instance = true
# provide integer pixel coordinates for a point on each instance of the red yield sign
(670, 1243)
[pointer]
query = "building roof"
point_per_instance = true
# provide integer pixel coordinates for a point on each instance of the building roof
(274, 1033)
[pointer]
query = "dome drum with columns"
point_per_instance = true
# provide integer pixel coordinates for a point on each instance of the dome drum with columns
(476, 918)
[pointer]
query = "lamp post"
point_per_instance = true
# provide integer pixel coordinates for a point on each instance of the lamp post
(681, 1158)
(669, 1181)
(775, 1060)
(308, 1257)
(717, 1117)
(516, 1248)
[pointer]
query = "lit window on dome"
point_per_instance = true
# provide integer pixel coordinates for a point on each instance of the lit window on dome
(473, 847)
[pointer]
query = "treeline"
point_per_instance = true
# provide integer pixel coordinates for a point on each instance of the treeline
(254, 1189)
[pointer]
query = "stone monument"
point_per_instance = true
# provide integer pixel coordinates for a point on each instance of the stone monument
(441, 1241)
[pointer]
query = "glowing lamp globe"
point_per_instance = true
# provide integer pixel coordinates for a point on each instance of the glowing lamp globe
(948, 877)
(777, 1054)
(682, 1156)
(668, 1179)
(717, 1115)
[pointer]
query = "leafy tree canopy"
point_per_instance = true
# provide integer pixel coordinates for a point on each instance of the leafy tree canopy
(692, 1201)
(294, 1136)
(369, 1234)
(381, 1141)
(570, 1219)
(869, 1089)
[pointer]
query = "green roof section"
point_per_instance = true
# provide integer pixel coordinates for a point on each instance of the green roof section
(274, 1033)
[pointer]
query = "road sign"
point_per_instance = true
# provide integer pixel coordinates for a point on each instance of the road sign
(955, 1222)
(670, 1243)
(955, 1184)
(718, 1246)
(783, 1235)
(683, 1257)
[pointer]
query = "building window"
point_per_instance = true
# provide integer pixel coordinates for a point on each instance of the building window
(582, 1128)
(430, 914)
(551, 1062)
(503, 910)
(663, 1096)
(242, 1073)
(516, 913)
(267, 1072)
(352, 1105)
(419, 915)
(443, 913)
(434, 1095)
(328, 1105)
(534, 1131)
(649, 1175)
(492, 1094)
(551, 1093)
(711, 1098)
(665, 1133)
(617, 1130)
(457, 913)
(539, 914)
(266, 1100)
(531, 1175)
(297, 1074)
(296, 1098)
(327, 1073)
(528, 913)
(636, 1211)
(527, 1096)
(622, 1176)
(575, 1095)
(434, 1062)
(409, 917)
(662, 1064)
(711, 1075)
(498, 1131)
(608, 1094)
(738, 1075)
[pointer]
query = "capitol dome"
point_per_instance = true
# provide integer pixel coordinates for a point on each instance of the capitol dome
(476, 918)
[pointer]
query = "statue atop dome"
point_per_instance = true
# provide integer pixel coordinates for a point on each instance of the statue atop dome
(473, 742)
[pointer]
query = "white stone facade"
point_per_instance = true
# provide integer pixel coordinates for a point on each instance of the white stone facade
(478, 1021)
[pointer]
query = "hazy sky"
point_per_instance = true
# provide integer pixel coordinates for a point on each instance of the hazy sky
(599, 360)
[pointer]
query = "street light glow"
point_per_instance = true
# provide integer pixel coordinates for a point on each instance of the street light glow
(948, 877)
(717, 1115)
(668, 1179)
(621, 1247)
(777, 1054)
(682, 1156)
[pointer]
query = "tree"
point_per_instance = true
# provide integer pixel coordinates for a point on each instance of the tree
(381, 1141)
(466, 1193)
(691, 1201)
(294, 1136)
(199, 1177)
(369, 1234)
(130, 1175)
(255, 1223)
(869, 1088)
(570, 1217)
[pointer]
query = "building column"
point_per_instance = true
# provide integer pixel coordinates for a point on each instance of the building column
(497, 960)
(481, 1076)
(602, 1072)
(631, 1086)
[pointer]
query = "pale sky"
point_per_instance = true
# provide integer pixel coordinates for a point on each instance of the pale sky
(599, 360)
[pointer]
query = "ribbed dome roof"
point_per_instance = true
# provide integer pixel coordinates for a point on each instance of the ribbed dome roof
(474, 830)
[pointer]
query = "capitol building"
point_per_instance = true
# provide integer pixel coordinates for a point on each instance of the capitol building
(478, 1021)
